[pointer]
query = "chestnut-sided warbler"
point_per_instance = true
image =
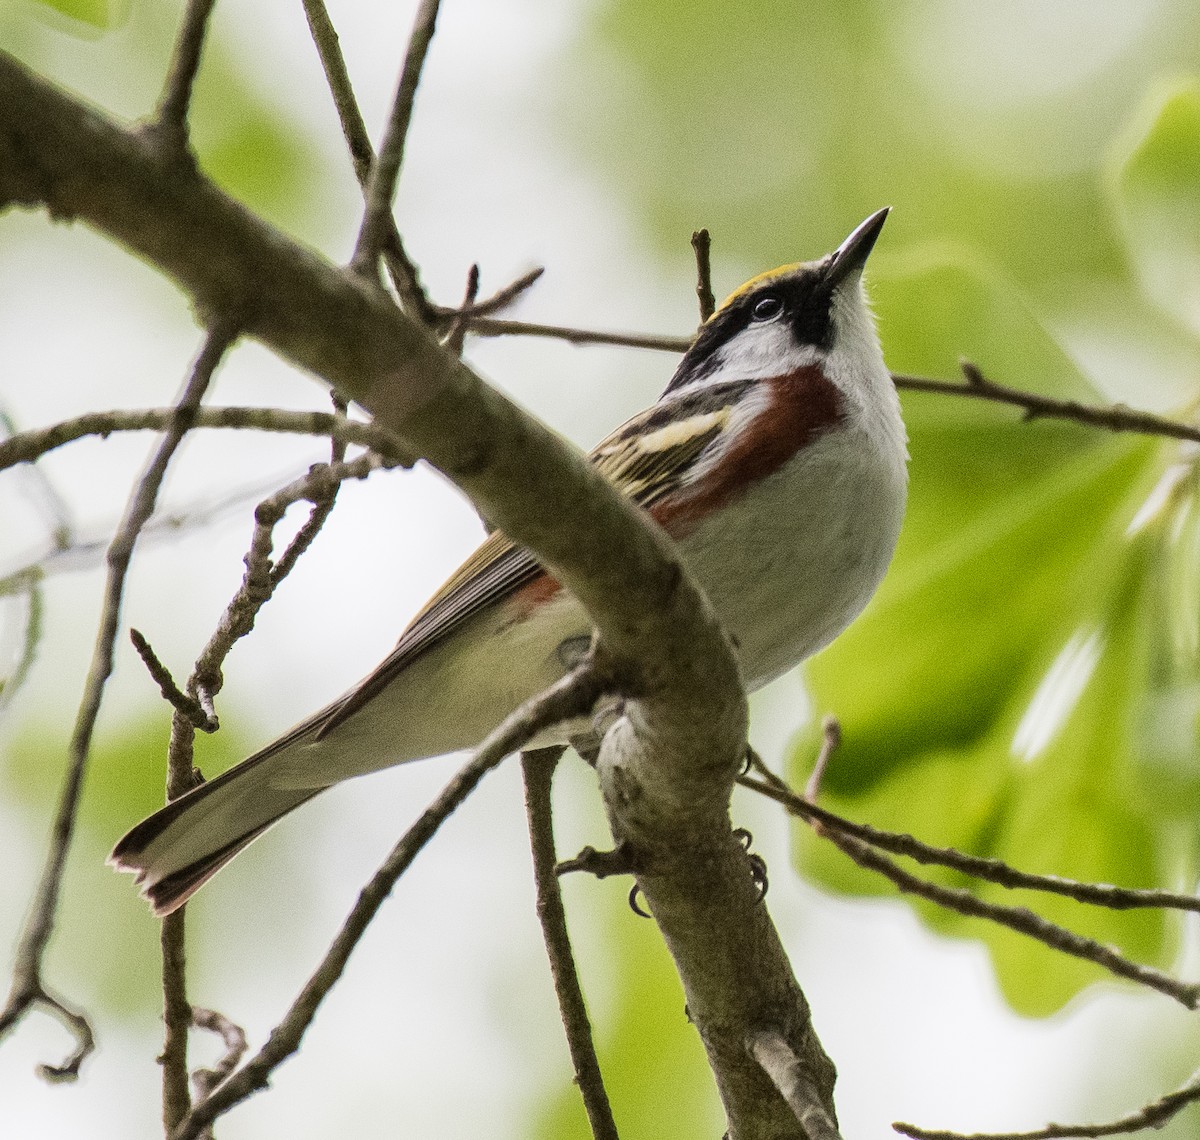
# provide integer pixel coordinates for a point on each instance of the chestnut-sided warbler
(775, 458)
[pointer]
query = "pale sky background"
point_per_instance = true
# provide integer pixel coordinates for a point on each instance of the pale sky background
(445, 1024)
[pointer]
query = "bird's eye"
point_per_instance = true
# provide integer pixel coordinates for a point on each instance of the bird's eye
(766, 308)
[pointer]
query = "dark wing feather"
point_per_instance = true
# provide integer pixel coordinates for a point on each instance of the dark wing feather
(645, 458)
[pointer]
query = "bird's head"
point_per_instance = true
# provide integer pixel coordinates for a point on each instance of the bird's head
(794, 317)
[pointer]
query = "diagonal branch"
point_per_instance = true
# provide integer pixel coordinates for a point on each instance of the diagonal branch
(381, 187)
(1109, 417)
(28, 989)
(401, 268)
(571, 697)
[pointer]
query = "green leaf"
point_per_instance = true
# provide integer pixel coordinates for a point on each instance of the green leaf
(1157, 195)
(994, 695)
(99, 14)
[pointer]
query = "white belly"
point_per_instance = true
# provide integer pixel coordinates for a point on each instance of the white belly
(797, 559)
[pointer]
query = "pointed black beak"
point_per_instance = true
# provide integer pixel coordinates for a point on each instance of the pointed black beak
(850, 257)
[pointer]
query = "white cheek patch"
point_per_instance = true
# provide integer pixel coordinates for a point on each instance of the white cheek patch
(758, 352)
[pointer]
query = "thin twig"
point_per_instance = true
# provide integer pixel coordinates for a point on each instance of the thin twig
(770, 1049)
(51, 505)
(321, 509)
(1152, 1115)
(537, 770)
(381, 187)
(494, 326)
(456, 335)
(171, 692)
(28, 989)
(30, 640)
(990, 870)
(258, 584)
(1111, 417)
(1020, 919)
(170, 122)
(401, 268)
(500, 299)
(320, 487)
(31, 445)
(702, 244)
(234, 1039)
(573, 696)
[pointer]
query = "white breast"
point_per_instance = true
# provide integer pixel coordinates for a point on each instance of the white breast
(798, 557)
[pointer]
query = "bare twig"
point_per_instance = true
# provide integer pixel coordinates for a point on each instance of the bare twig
(401, 268)
(1020, 919)
(28, 989)
(621, 860)
(320, 487)
(170, 123)
(321, 509)
(234, 1038)
(1153, 1115)
(990, 870)
(573, 696)
(31, 445)
(456, 335)
(171, 692)
(493, 326)
(259, 581)
(50, 502)
(30, 640)
(381, 187)
(537, 769)
(702, 244)
(831, 739)
(770, 1049)
(1110, 417)
(501, 299)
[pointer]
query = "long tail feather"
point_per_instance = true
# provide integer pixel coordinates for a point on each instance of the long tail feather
(180, 847)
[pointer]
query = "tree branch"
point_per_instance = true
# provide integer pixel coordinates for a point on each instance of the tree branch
(1153, 1115)
(28, 989)
(537, 769)
(572, 696)
(403, 271)
(381, 186)
(990, 870)
(170, 123)
(29, 446)
(667, 767)
(789, 1076)
(1110, 417)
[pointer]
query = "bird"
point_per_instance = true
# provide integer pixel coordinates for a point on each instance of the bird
(775, 458)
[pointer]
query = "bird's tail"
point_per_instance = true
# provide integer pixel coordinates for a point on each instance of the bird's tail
(179, 848)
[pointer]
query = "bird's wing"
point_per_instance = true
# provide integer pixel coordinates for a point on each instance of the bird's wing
(645, 458)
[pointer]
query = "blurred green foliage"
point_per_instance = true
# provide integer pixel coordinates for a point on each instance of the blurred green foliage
(1025, 685)
(105, 940)
(98, 14)
(652, 1060)
(242, 130)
